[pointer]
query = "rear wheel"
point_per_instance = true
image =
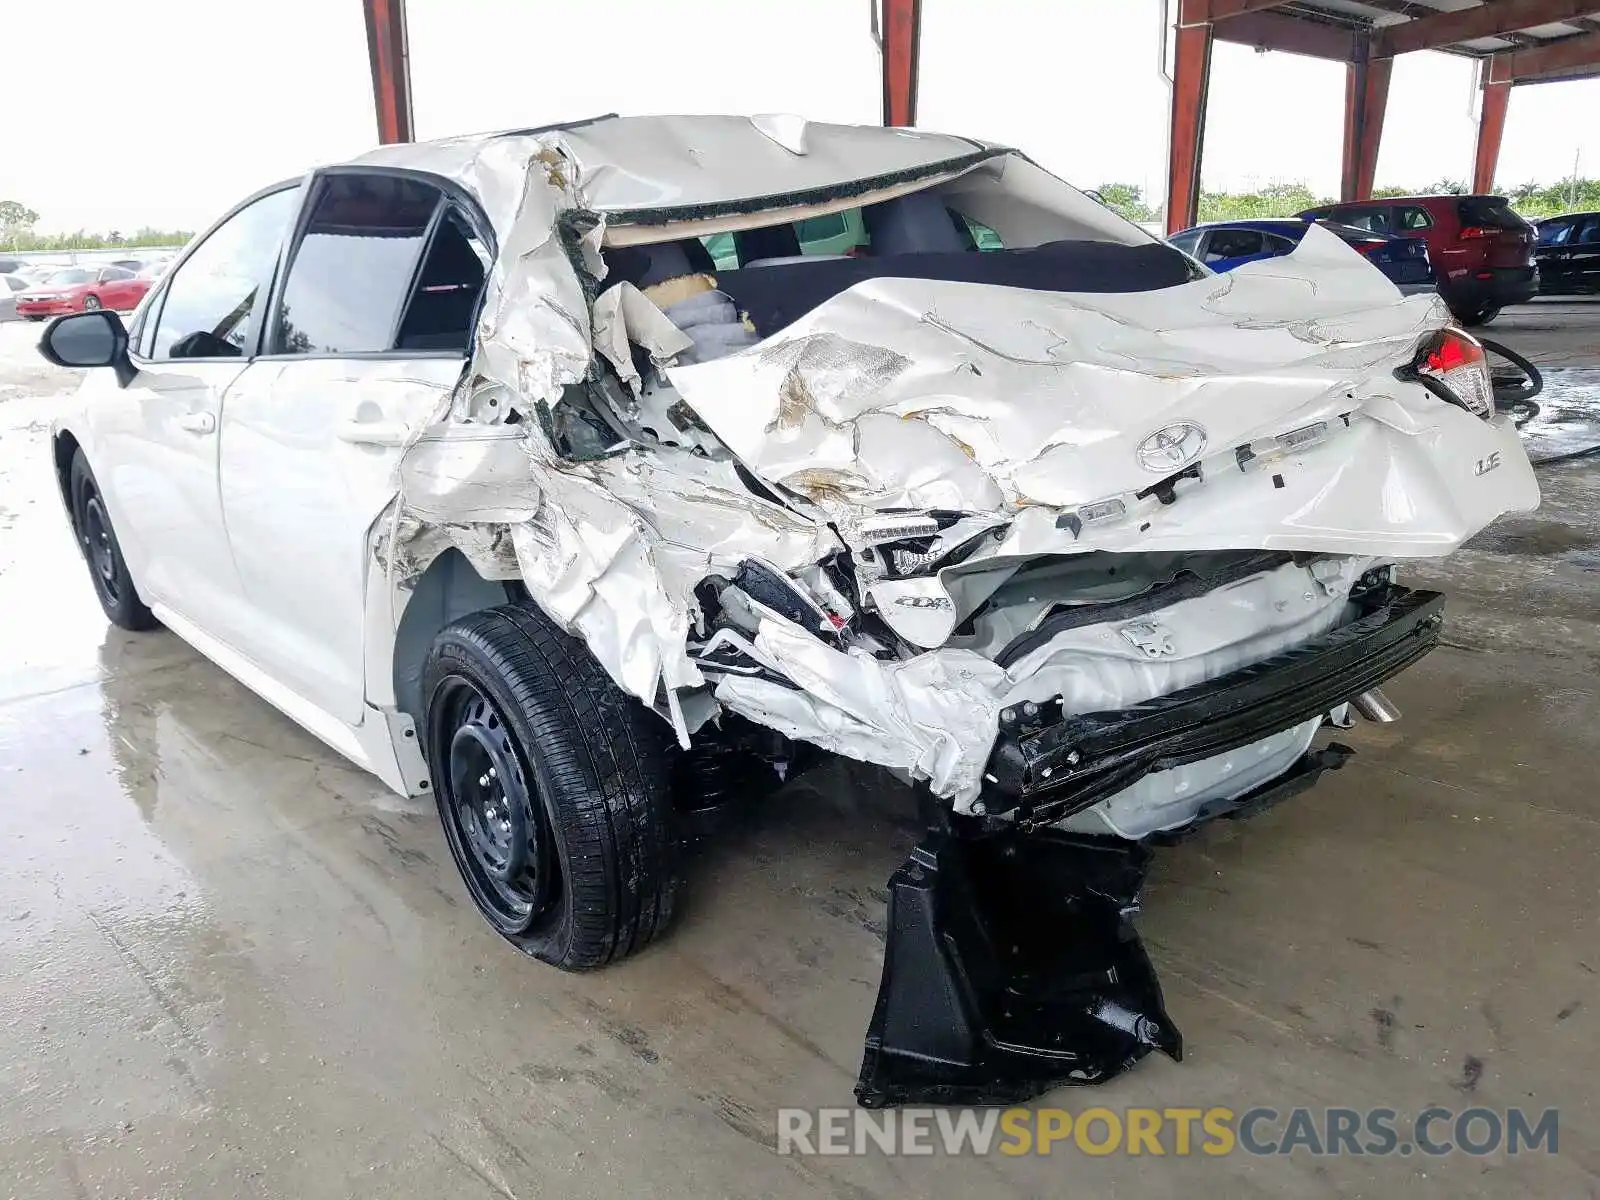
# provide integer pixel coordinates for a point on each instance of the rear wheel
(1481, 315)
(113, 586)
(553, 789)
(91, 303)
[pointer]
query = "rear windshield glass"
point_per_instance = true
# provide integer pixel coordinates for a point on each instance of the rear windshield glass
(1493, 212)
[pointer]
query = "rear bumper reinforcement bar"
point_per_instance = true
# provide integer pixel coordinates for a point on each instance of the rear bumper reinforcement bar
(1048, 774)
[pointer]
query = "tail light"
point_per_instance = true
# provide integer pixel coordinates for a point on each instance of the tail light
(1371, 248)
(1477, 231)
(1453, 366)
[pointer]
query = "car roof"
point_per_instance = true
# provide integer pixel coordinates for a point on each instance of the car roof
(627, 164)
(1265, 224)
(1436, 198)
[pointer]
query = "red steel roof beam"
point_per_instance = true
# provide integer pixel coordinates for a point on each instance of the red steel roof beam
(1366, 98)
(900, 50)
(1487, 20)
(1491, 122)
(1569, 57)
(391, 68)
(1293, 35)
(1191, 80)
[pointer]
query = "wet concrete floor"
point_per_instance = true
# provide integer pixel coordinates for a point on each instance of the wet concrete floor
(232, 965)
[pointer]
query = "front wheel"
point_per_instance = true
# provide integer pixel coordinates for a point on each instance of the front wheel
(91, 304)
(113, 586)
(553, 789)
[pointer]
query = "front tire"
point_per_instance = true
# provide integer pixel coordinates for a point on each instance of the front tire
(113, 586)
(553, 789)
(91, 304)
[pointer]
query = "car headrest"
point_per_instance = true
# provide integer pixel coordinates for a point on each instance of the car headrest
(914, 224)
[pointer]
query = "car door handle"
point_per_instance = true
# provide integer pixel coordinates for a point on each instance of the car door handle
(375, 433)
(201, 422)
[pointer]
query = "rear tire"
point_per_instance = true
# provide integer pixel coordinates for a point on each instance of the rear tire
(1480, 316)
(553, 787)
(113, 586)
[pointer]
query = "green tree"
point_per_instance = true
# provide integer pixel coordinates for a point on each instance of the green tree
(1277, 200)
(16, 218)
(1126, 199)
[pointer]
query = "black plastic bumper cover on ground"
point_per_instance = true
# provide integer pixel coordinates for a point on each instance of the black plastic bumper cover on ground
(1048, 774)
(1012, 964)
(1012, 967)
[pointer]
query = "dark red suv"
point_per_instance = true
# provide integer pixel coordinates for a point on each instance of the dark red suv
(1481, 250)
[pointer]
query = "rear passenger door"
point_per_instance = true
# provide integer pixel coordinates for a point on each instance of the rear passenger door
(369, 328)
(1583, 255)
(117, 289)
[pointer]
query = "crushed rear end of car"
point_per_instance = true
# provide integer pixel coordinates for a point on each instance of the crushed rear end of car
(1086, 543)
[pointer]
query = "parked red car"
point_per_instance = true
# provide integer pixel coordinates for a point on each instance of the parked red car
(80, 289)
(1481, 250)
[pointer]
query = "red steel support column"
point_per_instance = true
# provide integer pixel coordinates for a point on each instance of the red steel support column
(1366, 97)
(1491, 123)
(1191, 79)
(900, 50)
(391, 68)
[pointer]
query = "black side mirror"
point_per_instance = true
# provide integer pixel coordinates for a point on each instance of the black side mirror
(89, 339)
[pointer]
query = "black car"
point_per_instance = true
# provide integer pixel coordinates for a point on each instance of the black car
(1568, 254)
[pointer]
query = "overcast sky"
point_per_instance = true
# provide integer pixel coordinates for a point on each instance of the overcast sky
(122, 113)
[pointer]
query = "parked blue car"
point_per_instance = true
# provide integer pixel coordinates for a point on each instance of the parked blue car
(1224, 245)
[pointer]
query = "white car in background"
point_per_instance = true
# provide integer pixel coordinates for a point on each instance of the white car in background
(469, 458)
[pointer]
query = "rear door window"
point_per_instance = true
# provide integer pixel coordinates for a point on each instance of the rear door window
(444, 300)
(352, 271)
(1373, 220)
(1233, 243)
(1589, 232)
(1554, 233)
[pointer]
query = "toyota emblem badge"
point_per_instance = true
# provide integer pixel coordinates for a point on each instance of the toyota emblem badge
(1171, 448)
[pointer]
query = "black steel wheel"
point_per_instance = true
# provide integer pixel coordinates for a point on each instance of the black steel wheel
(498, 827)
(553, 787)
(113, 586)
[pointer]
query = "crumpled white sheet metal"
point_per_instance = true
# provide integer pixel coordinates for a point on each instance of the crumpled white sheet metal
(619, 164)
(611, 548)
(936, 716)
(902, 393)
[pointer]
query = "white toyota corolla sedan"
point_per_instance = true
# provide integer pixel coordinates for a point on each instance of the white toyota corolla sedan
(577, 476)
